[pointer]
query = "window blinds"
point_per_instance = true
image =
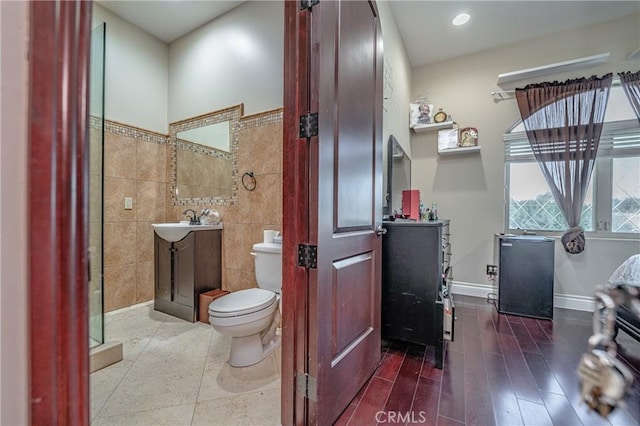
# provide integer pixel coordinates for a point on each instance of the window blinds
(618, 139)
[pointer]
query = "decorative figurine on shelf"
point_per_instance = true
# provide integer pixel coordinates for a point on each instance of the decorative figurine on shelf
(421, 112)
(440, 116)
(425, 114)
(469, 137)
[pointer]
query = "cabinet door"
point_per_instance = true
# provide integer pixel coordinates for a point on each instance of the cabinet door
(183, 270)
(162, 268)
(411, 277)
(406, 317)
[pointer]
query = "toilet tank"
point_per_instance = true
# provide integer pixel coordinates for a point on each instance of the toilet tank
(268, 257)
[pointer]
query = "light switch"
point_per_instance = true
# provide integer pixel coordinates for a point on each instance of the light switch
(128, 203)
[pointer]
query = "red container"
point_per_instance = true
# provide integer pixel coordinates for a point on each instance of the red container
(411, 203)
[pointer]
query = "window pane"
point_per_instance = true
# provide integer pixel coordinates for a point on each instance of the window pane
(532, 206)
(625, 206)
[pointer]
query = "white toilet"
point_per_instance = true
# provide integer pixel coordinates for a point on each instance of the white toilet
(251, 317)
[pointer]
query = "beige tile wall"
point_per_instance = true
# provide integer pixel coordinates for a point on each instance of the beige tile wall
(137, 166)
(134, 166)
(95, 230)
(260, 151)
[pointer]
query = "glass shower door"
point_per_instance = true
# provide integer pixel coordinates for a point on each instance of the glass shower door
(96, 154)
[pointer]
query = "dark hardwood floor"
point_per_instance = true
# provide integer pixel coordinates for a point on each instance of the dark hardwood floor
(500, 370)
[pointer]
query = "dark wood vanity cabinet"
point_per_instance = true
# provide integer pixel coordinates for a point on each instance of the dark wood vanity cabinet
(184, 269)
(415, 258)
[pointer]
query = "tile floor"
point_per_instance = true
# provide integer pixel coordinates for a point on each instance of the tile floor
(500, 370)
(175, 373)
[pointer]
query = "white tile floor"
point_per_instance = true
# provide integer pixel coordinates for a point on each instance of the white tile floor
(175, 373)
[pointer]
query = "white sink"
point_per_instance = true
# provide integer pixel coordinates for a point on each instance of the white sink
(173, 232)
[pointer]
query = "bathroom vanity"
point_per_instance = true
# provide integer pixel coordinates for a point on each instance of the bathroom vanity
(186, 268)
(415, 265)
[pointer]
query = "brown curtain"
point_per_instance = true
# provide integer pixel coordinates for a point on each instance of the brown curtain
(563, 122)
(631, 85)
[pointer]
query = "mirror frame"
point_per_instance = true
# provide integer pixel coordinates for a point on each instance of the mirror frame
(231, 114)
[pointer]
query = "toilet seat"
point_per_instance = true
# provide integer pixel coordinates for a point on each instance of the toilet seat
(242, 302)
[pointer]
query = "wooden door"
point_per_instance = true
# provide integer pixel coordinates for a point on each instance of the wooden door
(57, 216)
(341, 302)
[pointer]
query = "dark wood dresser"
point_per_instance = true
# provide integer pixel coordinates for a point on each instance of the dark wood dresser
(416, 257)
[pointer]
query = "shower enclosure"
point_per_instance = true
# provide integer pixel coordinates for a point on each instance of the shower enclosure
(96, 154)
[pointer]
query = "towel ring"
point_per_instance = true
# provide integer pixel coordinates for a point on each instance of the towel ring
(252, 181)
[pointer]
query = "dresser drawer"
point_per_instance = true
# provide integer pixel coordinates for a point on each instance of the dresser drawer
(412, 323)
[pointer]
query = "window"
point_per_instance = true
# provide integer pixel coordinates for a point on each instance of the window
(612, 202)
(532, 206)
(625, 206)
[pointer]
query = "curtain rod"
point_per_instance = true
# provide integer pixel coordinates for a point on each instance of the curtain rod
(512, 92)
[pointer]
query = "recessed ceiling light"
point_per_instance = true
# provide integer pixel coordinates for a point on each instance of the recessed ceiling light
(461, 19)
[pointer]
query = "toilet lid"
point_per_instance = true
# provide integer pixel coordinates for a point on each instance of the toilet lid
(242, 302)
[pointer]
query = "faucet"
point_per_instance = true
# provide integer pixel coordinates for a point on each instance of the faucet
(193, 220)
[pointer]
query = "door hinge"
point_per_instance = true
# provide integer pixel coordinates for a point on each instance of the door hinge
(308, 4)
(307, 386)
(308, 256)
(309, 125)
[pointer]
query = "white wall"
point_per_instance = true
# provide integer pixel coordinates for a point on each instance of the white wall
(395, 119)
(469, 189)
(14, 354)
(236, 58)
(136, 74)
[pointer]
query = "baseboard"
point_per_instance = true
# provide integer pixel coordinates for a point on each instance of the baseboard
(126, 308)
(471, 289)
(577, 303)
(565, 301)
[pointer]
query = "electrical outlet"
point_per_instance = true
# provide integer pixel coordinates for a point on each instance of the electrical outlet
(492, 270)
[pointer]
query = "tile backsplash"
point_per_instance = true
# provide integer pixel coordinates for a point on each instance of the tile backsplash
(137, 165)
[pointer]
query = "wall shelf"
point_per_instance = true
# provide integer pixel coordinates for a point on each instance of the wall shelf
(430, 127)
(461, 150)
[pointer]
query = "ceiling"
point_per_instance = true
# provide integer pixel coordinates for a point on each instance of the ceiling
(168, 20)
(429, 36)
(425, 26)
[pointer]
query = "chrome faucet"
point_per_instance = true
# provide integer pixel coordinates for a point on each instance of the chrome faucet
(193, 220)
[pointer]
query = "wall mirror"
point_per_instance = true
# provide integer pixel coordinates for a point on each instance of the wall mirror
(398, 175)
(204, 165)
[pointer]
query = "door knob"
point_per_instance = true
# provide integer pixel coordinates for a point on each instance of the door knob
(380, 230)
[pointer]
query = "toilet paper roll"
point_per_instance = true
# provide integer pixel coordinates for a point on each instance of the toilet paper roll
(269, 234)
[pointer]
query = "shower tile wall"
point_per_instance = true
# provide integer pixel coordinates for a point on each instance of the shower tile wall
(137, 165)
(95, 226)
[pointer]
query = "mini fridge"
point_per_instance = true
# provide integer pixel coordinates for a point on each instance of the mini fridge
(525, 275)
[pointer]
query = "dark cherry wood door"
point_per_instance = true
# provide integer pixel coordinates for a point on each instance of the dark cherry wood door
(345, 202)
(59, 46)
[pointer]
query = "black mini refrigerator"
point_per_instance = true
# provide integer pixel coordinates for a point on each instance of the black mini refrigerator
(525, 276)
